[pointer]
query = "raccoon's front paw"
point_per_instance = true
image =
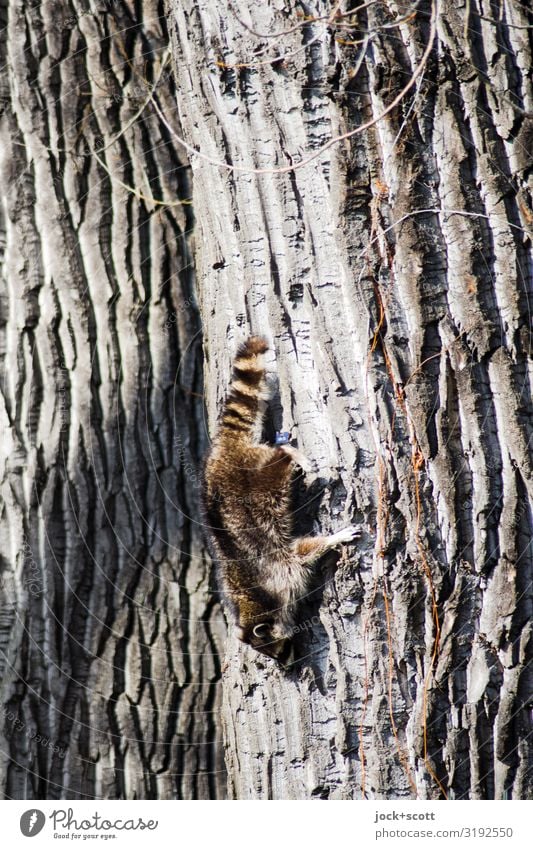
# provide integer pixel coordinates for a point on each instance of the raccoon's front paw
(347, 535)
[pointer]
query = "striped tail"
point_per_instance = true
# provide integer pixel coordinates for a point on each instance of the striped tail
(243, 410)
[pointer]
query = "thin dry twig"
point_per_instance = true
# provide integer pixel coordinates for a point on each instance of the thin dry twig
(283, 58)
(241, 169)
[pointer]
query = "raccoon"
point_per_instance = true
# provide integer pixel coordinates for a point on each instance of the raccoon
(263, 570)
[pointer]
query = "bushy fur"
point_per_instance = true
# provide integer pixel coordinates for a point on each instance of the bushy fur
(263, 570)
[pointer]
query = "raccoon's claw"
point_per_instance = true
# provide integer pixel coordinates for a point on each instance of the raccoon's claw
(347, 535)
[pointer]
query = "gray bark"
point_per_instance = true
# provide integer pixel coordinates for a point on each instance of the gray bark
(109, 630)
(392, 274)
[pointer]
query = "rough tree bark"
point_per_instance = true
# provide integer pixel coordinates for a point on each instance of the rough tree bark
(108, 626)
(392, 274)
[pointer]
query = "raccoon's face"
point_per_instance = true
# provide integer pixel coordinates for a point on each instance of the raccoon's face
(266, 638)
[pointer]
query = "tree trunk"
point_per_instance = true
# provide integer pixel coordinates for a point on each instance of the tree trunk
(391, 270)
(109, 630)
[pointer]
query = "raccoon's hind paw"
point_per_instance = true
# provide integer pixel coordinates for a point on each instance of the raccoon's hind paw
(298, 457)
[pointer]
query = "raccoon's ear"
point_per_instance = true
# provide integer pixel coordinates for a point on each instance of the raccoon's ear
(261, 630)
